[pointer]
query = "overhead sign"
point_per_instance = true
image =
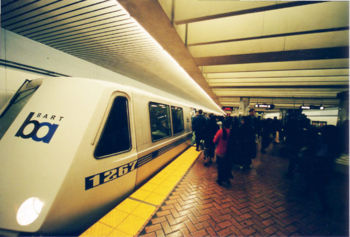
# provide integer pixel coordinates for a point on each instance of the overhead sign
(305, 107)
(225, 108)
(265, 106)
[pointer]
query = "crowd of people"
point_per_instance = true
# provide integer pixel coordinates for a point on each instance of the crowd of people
(230, 140)
(233, 142)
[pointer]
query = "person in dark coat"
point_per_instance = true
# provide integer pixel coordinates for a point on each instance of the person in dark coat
(247, 143)
(266, 134)
(198, 126)
(233, 146)
(294, 141)
(211, 129)
(317, 159)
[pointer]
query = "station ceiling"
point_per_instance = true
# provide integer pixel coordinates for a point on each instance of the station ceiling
(286, 53)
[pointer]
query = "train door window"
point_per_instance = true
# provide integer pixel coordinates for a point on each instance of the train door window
(115, 137)
(160, 121)
(178, 119)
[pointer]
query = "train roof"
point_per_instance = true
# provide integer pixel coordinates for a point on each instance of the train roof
(139, 88)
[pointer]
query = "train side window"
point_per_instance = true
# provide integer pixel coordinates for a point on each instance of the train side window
(178, 119)
(115, 137)
(160, 121)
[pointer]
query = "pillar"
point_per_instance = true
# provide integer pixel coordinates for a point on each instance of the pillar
(283, 113)
(343, 108)
(243, 106)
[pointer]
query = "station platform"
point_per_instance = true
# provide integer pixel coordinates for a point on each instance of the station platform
(260, 202)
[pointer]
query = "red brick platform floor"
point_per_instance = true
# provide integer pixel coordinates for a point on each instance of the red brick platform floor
(260, 202)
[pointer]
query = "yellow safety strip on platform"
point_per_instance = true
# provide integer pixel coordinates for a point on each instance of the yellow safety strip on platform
(132, 214)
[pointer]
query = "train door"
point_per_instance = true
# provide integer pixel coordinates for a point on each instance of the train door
(105, 165)
(116, 147)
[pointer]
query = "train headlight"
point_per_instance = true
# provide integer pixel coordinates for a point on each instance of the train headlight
(29, 211)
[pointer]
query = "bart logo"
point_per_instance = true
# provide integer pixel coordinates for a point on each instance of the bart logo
(36, 127)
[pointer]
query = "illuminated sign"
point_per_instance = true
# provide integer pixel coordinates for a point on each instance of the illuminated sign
(265, 106)
(305, 107)
(225, 108)
(312, 107)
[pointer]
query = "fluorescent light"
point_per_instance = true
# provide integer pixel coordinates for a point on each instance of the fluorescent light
(173, 60)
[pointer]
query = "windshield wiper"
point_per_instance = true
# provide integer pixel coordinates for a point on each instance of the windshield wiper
(13, 98)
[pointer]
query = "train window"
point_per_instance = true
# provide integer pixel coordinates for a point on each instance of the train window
(160, 121)
(178, 119)
(115, 137)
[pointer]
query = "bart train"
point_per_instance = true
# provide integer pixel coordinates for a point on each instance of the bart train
(71, 148)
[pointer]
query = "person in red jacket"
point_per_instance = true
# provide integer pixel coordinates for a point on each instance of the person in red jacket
(220, 140)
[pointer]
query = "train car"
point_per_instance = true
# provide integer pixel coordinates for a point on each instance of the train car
(72, 148)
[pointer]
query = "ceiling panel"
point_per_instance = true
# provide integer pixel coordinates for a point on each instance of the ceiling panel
(268, 23)
(78, 15)
(317, 16)
(276, 56)
(280, 82)
(121, 23)
(189, 10)
(274, 74)
(279, 66)
(199, 10)
(279, 92)
(271, 100)
(236, 27)
(319, 40)
(48, 15)
(274, 44)
(240, 47)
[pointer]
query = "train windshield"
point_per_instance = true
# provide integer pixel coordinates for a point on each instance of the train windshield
(16, 103)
